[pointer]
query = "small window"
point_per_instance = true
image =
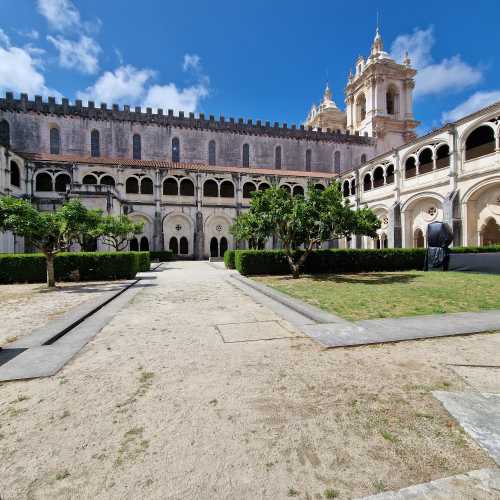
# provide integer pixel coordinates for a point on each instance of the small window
(4, 133)
(184, 246)
(107, 180)
(361, 108)
(95, 147)
(15, 174)
(336, 162)
(132, 185)
(211, 153)
(277, 157)
(308, 160)
(173, 245)
(187, 187)
(392, 101)
(89, 179)
(146, 186)
(62, 180)
(363, 159)
(136, 147)
(43, 182)
(246, 155)
(176, 150)
(55, 141)
(211, 189)
(170, 187)
(144, 246)
(227, 189)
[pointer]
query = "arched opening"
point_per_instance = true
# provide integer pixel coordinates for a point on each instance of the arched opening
(286, 188)
(336, 162)
(144, 246)
(480, 142)
(62, 180)
(263, 186)
(490, 233)
(384, 240)
(89, 179)
(443, 156)
(95, 146)
(187, 187)
(389, 174)
(89, 244)
(134, 245)
(392, 101)
(176, 150)
(43, 182)
(132, 185)
(410, 167)
(170, 187)
(211, 189)
(136, 147)
(418, 239)
(223, 246)
(346, 191)
(15, 174)
(173, 245)
(378, 243)
(367, 182)
(246, 155)
(248, 189)
(146, 186)
(361, 108)
(211, 153)
(308, 160)
(298, 191)
(107, 180)
(378, 177)
(55, 141)
(214, 247)
(363, 159)
(277, 157)
(227, 189)
(4, 133)
(353, 186)
(319, 187)
(425, 161)
(184, 246)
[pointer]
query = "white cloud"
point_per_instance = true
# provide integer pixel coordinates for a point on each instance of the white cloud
(171, 97)
(31, 35)
(448, 75)
(191, 62)
(60, 14)
(81, 55)
(475, 102)
(4, 39)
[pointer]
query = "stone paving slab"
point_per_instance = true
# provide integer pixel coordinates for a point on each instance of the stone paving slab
(482, 484)
(252, 332)
(478, 414)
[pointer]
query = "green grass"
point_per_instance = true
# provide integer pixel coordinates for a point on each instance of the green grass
(395, 294)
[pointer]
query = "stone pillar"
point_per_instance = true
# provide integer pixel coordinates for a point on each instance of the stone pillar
(452, 216)
(199, 237)
(394, 233)
(158, 243)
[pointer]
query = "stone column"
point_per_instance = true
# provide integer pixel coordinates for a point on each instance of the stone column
(394, 233)
(199, 237)
(158, 243)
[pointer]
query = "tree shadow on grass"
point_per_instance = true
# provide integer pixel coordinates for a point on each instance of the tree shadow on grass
(367, 279)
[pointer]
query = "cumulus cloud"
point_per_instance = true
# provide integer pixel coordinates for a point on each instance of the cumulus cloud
(81, 55)
(448, 75)
(475, 102)
(191, 62)
(60, 14)
(4, 39)
(171, 97)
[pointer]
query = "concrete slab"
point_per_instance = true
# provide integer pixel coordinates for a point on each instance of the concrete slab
(478, 414)
(481, 484)
(251, 332)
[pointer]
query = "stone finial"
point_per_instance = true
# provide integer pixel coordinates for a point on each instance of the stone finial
(406, 60)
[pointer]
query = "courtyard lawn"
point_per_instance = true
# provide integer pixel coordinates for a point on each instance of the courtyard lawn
(395, 294)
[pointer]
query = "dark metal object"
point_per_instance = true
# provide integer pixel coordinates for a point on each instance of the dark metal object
(439, 237)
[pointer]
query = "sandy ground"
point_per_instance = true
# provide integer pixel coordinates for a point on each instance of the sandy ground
(29, 306)
(158, 407)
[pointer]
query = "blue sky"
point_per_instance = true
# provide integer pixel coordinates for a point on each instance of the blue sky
(257, 59)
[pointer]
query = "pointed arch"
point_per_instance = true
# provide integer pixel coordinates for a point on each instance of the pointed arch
(55, 140)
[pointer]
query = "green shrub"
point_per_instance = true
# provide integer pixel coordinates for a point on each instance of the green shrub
(486, 249)
(162, 256)
(144, 261)
(22, 268)
(261, 262)
(229, 257)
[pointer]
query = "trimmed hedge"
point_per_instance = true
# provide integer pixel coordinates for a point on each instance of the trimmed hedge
(229, 259)
(487, 249)
(162, 256)
(73, 266)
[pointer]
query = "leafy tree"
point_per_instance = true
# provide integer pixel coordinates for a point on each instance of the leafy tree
(117, 231)
(50, 232)
(248, 227)
(303, 221)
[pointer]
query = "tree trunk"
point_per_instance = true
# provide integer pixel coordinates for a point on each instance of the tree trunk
(51, 279)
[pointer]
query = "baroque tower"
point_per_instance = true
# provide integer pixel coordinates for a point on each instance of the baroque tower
(379, 101)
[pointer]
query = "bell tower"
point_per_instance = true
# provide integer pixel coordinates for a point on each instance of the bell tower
(379, 101)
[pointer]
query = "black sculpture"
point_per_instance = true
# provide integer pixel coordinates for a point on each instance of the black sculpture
(439, 237)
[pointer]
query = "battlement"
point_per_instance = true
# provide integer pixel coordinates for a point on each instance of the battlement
(137, 114)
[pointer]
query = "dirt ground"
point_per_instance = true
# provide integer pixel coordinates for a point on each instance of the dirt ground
(158, 406)
(28, 306)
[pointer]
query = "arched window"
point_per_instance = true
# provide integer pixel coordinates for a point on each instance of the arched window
(55, 141)
(277, 157)
(144, 244)
(43, 182)
(211, 188)
(134, 245)
(361, 107)
(336, 162)
(4, 133)
(443, 156)
(308, 160)
(89, 179)
(15, 174)
(227, 189)
(286, 188)
(298, 191)
(107, 180)
(132, 185)
(170, 187)
(353, 186)
(95, 146)
(346, 189)
(248, 189)
(425, 161)
(319, 187)
(418, 239)
(146, 186)
(223, 246)
(389, 174)
(490, 233)
(212, 159)
(214, 247)
(367, 182)
(62, 180)
(378, 177)
(184, 246)
(263, 186)
(410, 167)
(246, 155)
(363, 159)
(187, 187)
(136, 147)
(173, 245)
(480, 142)
(176, 150)
(392, 100)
